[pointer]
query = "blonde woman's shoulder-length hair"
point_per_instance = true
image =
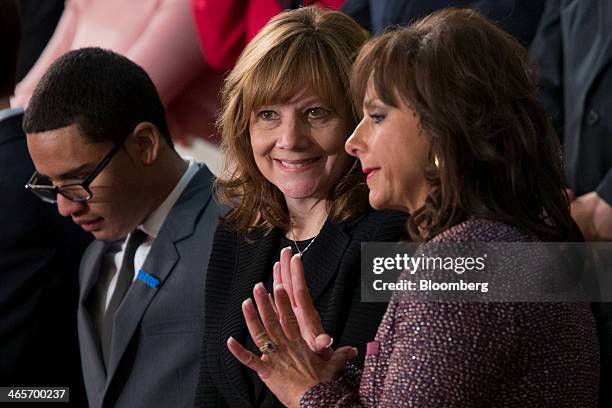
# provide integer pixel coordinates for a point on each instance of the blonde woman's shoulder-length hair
(306, 47)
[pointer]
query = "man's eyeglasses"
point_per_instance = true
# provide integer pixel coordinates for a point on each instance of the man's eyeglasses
(78, 192)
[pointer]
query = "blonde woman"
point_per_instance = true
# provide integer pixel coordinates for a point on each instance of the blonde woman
(290, 184)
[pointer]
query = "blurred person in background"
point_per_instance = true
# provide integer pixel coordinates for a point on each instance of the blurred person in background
(226, 27)
(39, 19)
(518, 17)
(292, 187)
(573, 48)
(160, 36)
(39, 255)
(452, 132)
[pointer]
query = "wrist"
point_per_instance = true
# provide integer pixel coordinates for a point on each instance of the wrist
(299, 395)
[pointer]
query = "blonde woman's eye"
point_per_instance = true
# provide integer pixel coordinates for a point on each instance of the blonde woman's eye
(268, 115)
(317, 113)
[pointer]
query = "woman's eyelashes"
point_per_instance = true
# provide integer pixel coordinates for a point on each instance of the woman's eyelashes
(268, 115)
(317, 113)
(376, 117)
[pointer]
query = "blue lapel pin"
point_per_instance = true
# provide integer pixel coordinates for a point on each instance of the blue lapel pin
(147, 278)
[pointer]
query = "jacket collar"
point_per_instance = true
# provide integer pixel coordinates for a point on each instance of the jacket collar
(252, 262)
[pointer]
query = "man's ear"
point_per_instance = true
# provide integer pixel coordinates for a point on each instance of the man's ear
(148, 142)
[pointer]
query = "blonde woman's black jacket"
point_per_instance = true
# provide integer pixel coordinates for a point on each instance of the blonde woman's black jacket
(332, 267)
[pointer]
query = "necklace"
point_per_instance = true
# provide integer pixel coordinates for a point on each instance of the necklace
(296, 244)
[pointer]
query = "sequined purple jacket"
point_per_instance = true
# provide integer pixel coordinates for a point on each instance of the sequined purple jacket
(474, 354)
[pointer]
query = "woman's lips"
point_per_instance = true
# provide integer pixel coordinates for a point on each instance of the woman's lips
(296, 166)
(370, 171)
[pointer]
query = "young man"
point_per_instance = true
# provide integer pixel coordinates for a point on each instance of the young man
(99, 140)
(39, 255)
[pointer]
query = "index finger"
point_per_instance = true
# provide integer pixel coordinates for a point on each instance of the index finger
(276, 273)
(302, 296)
(285, 267)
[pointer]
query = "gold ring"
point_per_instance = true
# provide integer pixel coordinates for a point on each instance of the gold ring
(267, 347)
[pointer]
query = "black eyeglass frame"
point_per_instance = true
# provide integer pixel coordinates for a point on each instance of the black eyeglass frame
(55, 190)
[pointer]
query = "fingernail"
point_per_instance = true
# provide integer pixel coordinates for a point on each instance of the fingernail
(289, 248)
(276, 264)
(331, 341)
(278, 286)
(246, 302)
(260, 287)
(296, 256)
(230, 339)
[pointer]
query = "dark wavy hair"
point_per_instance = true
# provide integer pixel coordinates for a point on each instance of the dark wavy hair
(493, 152)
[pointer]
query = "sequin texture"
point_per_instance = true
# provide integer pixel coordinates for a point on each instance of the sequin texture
(501, 355)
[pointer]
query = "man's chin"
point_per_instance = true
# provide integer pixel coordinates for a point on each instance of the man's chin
(99, 235)
(105, 235)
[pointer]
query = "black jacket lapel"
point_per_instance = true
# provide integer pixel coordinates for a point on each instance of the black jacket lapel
(252, 261)
(323, 259)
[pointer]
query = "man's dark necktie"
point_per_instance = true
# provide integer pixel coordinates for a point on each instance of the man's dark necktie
(125, 277)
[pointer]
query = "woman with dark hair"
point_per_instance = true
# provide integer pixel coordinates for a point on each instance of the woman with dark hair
(451, 133)
(289, 184)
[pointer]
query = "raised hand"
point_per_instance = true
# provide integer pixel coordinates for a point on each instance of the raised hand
(290, 273)
(287, 364)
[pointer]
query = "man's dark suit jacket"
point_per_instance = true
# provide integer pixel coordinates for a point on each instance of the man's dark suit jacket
(332, 265)
(39, 264)
(573, 48)
(518, 17)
